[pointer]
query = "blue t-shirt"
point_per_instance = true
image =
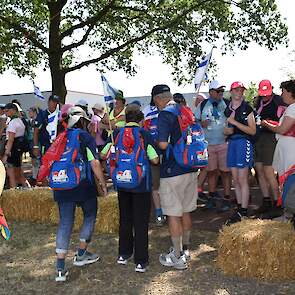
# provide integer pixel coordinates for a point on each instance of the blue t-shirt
(86, 189)
(214, 132)
(169, 131)
(41, 122)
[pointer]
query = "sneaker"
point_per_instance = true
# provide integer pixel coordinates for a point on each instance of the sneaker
(171, 260)
(211, 204)
(61, 275)
(223, 205)
(141, 267)
(236, 217)
(160, 220)
(202, 197)
(123, 259)
(186, 253)
(86, 258)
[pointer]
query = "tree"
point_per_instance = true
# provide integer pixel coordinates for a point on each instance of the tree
(251, 92)
(66, 35)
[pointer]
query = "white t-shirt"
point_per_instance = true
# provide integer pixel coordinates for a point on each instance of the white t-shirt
(290, 112)
(16, 126)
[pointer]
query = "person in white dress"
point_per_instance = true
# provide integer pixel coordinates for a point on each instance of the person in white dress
(284, 156)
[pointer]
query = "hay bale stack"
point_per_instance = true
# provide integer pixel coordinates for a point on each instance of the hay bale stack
(37, 205)
(32, 205)
(107, 220)
(263, 249)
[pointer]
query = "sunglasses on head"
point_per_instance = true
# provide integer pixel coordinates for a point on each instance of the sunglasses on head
(219, 90)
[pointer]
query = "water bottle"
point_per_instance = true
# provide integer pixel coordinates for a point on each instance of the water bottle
(258, 120)
(209, 127)
(189, 138)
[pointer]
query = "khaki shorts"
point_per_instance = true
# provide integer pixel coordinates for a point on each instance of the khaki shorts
(155, 170)
(217, 154)
(178, 194)
(264, 148)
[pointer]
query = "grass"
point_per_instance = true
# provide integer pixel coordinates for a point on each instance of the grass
(27, 266)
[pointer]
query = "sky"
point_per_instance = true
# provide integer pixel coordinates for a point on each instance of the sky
(252, 65)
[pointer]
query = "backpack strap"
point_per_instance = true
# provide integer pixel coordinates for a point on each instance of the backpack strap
(202, 106)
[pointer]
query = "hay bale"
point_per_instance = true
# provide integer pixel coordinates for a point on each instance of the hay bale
(37, 205)
(263, 249)
(32, 205)
(107, 220)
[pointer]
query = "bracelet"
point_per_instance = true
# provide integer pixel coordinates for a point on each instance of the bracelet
(35, 146)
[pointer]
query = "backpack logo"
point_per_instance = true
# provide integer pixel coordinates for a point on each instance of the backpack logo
(128, 162)
(190, 151)
(60, 176)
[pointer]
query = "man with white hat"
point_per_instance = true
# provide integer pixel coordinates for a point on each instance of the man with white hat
(210, 113)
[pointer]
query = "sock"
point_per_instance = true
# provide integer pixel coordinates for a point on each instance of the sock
(60, 263)
(200, 190)
(158, 212)
(239, 207)
(244, 211)
(177, 245)
(81, 251)
(186, 237)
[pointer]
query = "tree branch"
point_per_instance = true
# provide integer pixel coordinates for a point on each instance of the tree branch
(17, 27)
(112, 51)
(79, 43)
(90, 21)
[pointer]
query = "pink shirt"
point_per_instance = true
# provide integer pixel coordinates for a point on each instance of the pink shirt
(96, 120)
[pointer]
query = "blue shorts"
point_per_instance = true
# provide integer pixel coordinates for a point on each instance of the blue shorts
(239, 153)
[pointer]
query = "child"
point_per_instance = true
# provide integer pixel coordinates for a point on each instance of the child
(134, 204)
(83, 195)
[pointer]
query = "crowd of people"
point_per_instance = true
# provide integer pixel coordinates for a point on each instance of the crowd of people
(241, 136)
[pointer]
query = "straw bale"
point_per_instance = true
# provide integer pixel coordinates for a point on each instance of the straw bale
(107, 220)
(262, 249)
(32, 205)
(37, 205)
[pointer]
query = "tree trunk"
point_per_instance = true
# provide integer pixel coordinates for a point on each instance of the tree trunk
(55, 54)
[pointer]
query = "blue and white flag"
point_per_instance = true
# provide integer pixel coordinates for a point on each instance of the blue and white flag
(109, 91)
(52, 124)
(37, 92)
(201, 70)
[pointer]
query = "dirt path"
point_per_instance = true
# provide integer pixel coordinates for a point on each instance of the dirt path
(27, 266)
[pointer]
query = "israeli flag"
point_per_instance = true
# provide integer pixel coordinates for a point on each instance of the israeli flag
(52, 124)
(201, 75)
(109, 91)
(37, 92)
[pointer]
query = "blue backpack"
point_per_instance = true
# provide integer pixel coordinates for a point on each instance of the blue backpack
(128, 164)
(71, 169)
(190, 150)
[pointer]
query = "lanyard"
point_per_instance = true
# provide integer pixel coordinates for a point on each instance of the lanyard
(262, 105)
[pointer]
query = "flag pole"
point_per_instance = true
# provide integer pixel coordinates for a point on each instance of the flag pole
(110, 124)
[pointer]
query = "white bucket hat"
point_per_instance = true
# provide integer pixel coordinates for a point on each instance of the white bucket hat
(75, 113)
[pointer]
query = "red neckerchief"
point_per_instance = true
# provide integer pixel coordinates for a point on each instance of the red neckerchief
(262, 105)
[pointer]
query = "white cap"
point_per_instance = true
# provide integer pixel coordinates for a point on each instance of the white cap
(98, 107)
(82, 102)
(215, 85)
(75, 113)
(19, 109)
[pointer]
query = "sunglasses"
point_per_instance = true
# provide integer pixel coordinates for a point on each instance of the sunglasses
(219, 90)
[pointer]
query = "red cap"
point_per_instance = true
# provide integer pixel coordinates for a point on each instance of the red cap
(265, 88)
(237, 84)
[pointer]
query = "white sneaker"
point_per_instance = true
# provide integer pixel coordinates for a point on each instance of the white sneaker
(171, 260)
(61, 275)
